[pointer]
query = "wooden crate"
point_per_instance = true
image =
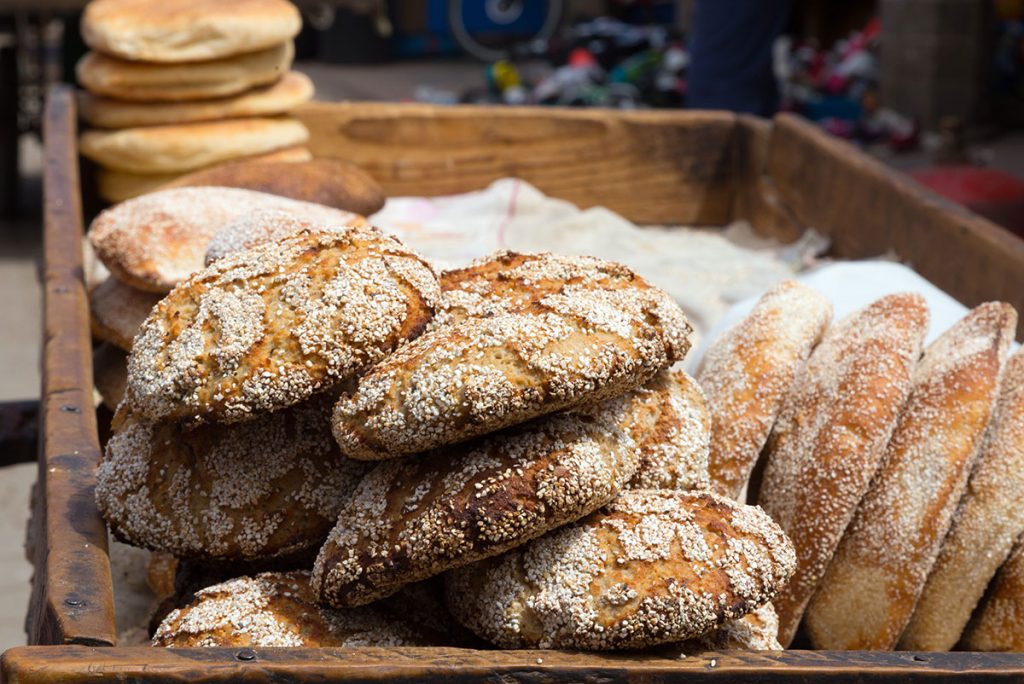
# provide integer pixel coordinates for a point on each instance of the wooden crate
(653, 167)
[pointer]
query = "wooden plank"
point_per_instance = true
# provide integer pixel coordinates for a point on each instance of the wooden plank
(756, 199)
(869, 210)
(57, 665)
(651, 167)
(72, 598)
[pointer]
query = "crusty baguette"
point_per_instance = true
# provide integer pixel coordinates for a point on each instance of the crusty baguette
(878, 571)
(745, 375)
(998, 622)
(831, 434)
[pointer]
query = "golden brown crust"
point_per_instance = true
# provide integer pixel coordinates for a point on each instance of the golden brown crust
(264, 225)
(831, 433)
(279, 609)
(758, 630)
(266, 488)
(118, 310)
(998, 623)
(868, 593)
(156, 241)
(330, 182)
(988, 521)
(266, 328)
(747, 371)
(187, 30)
(652, 567)
(110, 374)
(415, 518)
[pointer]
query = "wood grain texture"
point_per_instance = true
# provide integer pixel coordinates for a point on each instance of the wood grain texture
(72, 599)
(55, 665)
(650, 166)
(757, 199)
(868, 210)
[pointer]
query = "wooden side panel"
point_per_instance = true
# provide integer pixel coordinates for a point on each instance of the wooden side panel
(51, 665)
(651, 167)
(72, 599)
(756, 199)
(868, 210)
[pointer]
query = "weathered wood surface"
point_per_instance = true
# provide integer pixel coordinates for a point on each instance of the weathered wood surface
(870, 210)
(652, 167)
(53, 665)
(72, 599)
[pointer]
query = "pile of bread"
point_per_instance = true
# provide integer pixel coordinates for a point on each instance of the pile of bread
(175, 87)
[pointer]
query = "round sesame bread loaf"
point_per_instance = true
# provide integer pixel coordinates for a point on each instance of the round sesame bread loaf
(668, 419)
(263, 225)
(118, 310)
(998, 622)
(652, 567)
(831, 434)
(265, 328)
(758, 630)
(279, 609)
(266, 488)
(988, 521)
(868, 593)
(187, 30)
(747, 371)
(110, 374)
(158, 240)
(415, 518)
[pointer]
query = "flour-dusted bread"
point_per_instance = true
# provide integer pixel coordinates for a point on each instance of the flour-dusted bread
(187, 30)
(330, 182)
(110, 374)
(266, 328)
(157, 241)
(747, 371)
(831, 434)
(987, 522)
(145, 84)
(758, 630)
(868, 594)
(177, 148)
(998, 622)
(266, 488)
(415, 518)
(652, 567)
(278, 97)
(117, 186)
(263, 225)
(279, 609)
(116, 311)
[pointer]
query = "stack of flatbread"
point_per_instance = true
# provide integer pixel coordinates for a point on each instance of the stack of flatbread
(174, 87)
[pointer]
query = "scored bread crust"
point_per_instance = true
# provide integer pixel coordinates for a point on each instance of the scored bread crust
(110, 374)
(118, 310)
(158, 240)
(998, 622)
(652, 567)
(279, 609)
(988, 521)
(187, 30)
(260, 226)
(265, 328)
(747, 371)
(262, 489)
(831, 434)
(415, 518)
(869, 591)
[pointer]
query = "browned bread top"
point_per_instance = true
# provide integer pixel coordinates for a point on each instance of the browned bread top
(652, 567)
(414, 518)
(279, 609)
(265, 488)
(264, 225)
(118, 310)
(265, 328)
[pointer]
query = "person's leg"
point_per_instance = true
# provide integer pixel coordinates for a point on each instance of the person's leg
(731, 55)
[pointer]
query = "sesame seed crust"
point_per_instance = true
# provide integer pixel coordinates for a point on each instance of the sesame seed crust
(266, 488)
(265, 328)
(652, 567)
(118, 310)
(747, 371)
(415, 518)
(157, 240)
(988, 521)
(268, 224)
(998, 623)
(883, 560)
(278, 609)
(831, 434)
(758, 630)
